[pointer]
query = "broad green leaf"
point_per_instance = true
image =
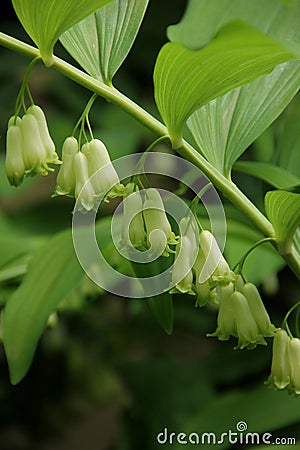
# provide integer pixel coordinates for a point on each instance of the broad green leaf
(203, 19)
(161, 305)
(15, 242)
(283, 210)
(15, 268)
(274, 175)
(288, 139)
(5, 293)
(53, 272)
(297, 240)
(296, 243)
(185, 80)
(225, 127)
(162, 308)
(264, 146)
(101, 41)
(45, 21)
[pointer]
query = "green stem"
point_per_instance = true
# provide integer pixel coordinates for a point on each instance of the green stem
(285, 320)
(84, 119)
(242, 261)
(140, 165)
(20, 102)
(228, 189)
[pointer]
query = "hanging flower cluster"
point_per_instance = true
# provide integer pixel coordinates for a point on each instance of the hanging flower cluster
(241, 311)
(29, 147)
(285, 369)
(242, 315)
(87, 174)
(145, 223)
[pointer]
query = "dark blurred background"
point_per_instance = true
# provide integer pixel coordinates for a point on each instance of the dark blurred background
(106, 376)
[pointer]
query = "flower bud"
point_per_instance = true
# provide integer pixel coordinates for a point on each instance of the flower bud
(65, 181)
(51, 155)
(215, 264)
(156, 218)
(281, 368)
(182, 276)
(133, 223)
(33, 149)
(14, 162)
(84, 191)
(258, 309)
(106, 181)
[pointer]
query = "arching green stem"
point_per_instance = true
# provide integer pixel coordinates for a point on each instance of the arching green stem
(285, 320)
(240, 264)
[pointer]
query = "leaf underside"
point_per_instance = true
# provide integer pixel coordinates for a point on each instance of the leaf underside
(224, 128)
(185, 80)
(101, 41)
(283, 210)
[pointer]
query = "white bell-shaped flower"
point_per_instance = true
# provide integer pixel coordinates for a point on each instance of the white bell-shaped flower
(107, 180)
(38, 113)
(235, 319)
(133, 222)
(66, 181)
(258, 310)
(294, 359)
(14, 161)
(84, 192)
(182, 275)
(34, 152)
(281, 367)
(156, 219)
(215, 263)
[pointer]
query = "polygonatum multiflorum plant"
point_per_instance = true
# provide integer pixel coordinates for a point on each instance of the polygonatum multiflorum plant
(227, 72)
